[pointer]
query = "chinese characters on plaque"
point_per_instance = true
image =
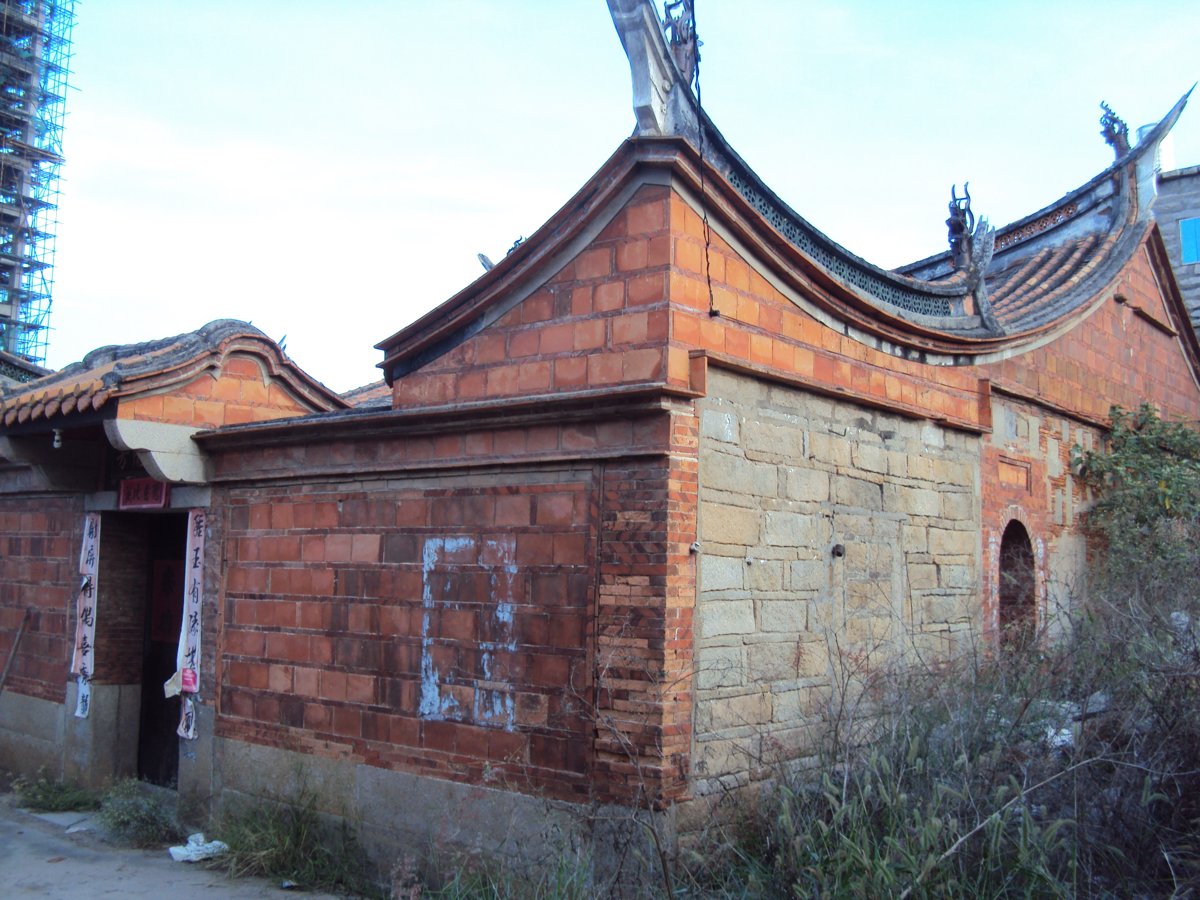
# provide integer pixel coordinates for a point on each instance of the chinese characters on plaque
(83, 660)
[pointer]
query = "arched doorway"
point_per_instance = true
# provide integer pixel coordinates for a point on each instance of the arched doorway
(1018, 588)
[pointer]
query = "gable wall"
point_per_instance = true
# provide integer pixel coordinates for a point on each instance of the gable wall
(600, 322)
(1124, 353)
(242, 391)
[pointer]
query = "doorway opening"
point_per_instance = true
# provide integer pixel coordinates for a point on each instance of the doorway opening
(139, 613)
(1018, 588)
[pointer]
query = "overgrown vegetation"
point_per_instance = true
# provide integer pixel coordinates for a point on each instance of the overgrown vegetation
(136, 814)
(1069, 768)
(1146, 484)
(45, 794)
(568, 880)
(288, 839)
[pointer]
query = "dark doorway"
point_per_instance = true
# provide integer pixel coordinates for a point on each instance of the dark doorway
(1018, 588)
(158, 743)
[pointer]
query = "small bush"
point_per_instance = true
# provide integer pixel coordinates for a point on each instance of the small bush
(132, 813)
(45, 794)
(289, 840)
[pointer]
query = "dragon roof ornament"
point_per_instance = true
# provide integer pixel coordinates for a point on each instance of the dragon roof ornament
(1114, 130)
(947, 292)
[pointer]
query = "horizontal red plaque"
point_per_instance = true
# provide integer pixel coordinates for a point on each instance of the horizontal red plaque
(143, 493)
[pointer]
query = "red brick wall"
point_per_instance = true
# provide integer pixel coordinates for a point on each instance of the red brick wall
(1115, 356)
(599, 322)
(241, 391)
(444, 628)
(121, 600)
(645, 605)
(39, 559)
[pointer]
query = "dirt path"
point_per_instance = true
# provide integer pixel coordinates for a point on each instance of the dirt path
(61, 855)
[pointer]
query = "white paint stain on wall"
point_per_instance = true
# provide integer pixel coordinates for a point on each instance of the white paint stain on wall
(493, 699)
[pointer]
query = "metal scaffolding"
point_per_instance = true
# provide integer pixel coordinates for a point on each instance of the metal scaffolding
(35, 52)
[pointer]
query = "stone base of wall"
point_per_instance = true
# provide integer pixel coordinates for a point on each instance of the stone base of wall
(102, 748)
(438, 823)
(31, 735)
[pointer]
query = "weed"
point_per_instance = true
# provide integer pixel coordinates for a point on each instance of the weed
(134, 813)
(289, 840)
(45, 794)
(569, 879)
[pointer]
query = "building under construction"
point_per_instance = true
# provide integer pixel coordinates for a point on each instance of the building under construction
(35, 49)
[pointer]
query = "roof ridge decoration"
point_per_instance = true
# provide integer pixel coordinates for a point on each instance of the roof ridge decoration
(1114, 130)
(664, 105)
(929, 293)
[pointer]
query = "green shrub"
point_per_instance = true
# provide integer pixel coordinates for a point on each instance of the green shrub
(136, 814)
(44, 794)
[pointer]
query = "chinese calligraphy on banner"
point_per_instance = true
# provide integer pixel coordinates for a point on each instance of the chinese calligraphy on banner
(84, 658)
(187, 662)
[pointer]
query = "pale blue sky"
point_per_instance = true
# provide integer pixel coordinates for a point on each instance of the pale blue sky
(329, 170)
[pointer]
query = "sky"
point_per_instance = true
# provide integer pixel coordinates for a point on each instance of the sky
(329, 171)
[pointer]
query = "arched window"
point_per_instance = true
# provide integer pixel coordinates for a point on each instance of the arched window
(1018, 588)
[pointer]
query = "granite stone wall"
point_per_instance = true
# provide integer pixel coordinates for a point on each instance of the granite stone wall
(834, 540)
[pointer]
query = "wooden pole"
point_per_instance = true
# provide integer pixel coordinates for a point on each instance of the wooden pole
(13, 652)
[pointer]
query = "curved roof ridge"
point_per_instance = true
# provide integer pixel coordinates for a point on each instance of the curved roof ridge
(1059, 211)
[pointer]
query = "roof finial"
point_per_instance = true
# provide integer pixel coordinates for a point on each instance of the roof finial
(960, 225)
(661, 57)
(1114, 130)
(680, 30)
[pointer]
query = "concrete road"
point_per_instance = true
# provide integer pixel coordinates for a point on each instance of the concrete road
(62, 855)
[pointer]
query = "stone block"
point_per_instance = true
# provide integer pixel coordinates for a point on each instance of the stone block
(719, 667)
(921, 468)
(1054, 466)
(765, 575)
(943, 542)
(729, 524)
(720, 617)
(870, 458)
(772, 440)
(830, 449)
(942, 609)
(734, 712)
(772, 661)
(957, 576)
(724, 472)
(806, 484)
(789, 616)
(912, 501)
(952, 472)
(722, 757)
(857, 493)
(914, 538)
(719, 425)
(812, 660)
(721, 573)
(808, 575)
(897, 463)
(958, 506)
(932, 435)
(922, 576)
(870, 631)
